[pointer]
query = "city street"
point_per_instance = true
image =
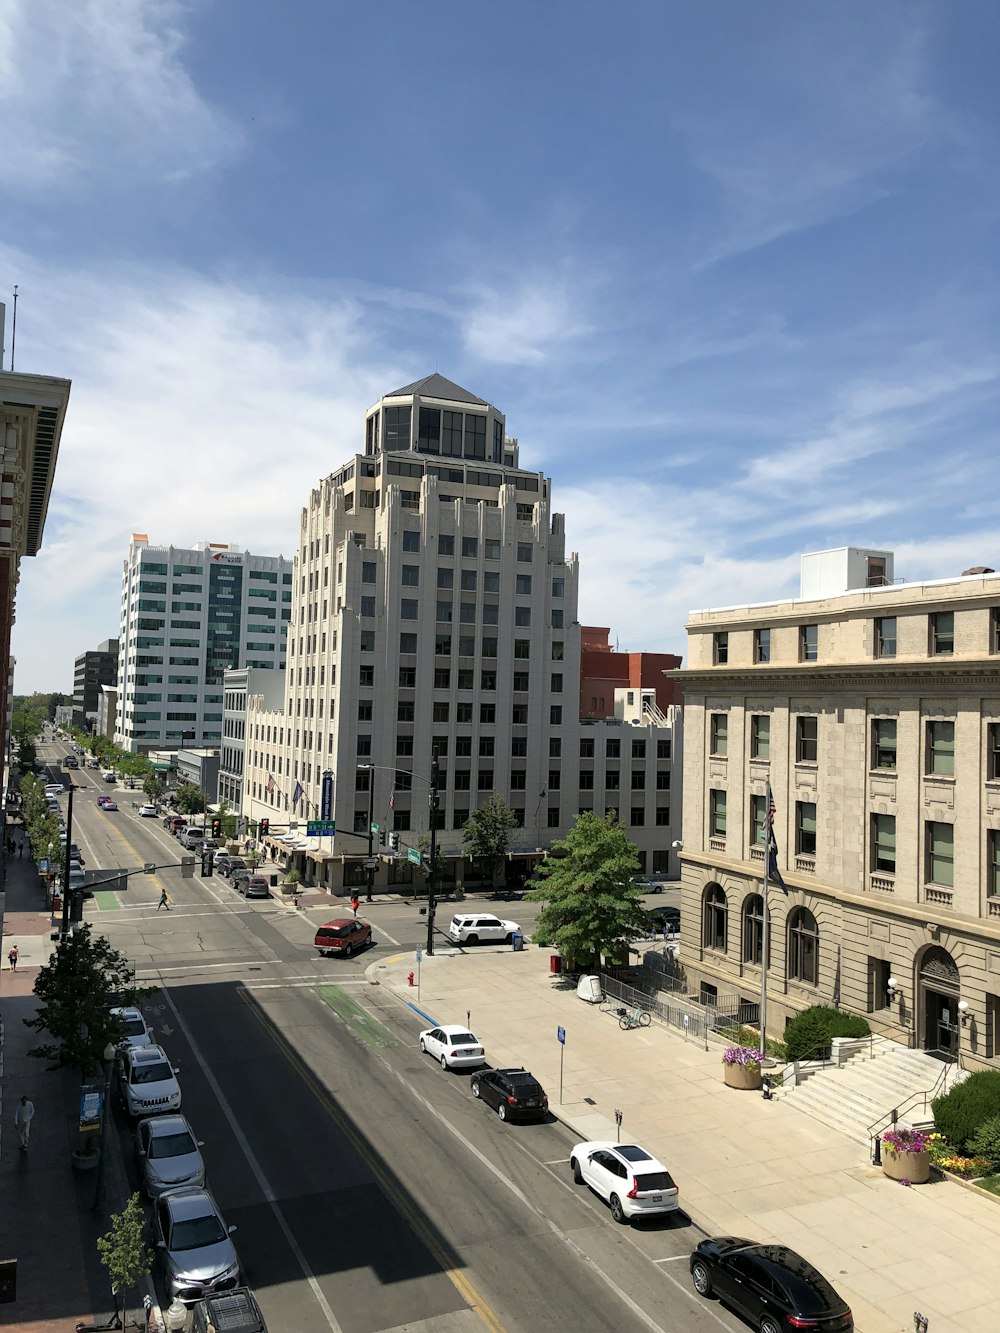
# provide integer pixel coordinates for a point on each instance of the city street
(370, 1191)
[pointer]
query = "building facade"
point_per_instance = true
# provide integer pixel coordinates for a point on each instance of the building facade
(243, 688)
(188, 615)
(434, 610)
(604, 669)
(872, 708)
(92, 671)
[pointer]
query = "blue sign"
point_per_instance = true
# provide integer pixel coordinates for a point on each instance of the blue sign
(91, 1106)
(321, 828)
(326, 795)
(561, 1034)
(420, 954)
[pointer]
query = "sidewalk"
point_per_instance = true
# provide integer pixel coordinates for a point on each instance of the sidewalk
(46, 1222)
(745, 1167)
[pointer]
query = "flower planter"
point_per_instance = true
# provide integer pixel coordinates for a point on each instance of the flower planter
(912, 1166)
(746, 1077)
(85, 1161)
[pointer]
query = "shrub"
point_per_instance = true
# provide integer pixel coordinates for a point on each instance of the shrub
(813, 1029)
(986, 1140)
(961, 1111)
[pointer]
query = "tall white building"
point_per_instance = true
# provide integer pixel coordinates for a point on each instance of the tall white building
(187, 615)
(435, 610)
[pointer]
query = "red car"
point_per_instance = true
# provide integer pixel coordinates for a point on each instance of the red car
(343, 937)
(106, 803)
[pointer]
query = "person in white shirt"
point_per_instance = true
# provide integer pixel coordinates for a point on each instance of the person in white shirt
(23, 1117)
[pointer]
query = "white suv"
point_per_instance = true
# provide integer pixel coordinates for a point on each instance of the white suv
(480, 927)
(146, 1081)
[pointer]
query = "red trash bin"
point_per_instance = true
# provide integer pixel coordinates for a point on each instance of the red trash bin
(555, 962)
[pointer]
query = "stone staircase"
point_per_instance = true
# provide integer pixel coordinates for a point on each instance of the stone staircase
(868, 1085)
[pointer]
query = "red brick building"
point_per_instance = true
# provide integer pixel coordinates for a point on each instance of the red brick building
(603, 670)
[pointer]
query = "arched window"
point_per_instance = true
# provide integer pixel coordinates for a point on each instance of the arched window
(803, 947)
(715, 918)
(753, 930)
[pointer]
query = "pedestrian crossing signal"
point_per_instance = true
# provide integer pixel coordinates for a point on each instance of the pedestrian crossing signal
(265, 824)
(216, 828)
(206, 863)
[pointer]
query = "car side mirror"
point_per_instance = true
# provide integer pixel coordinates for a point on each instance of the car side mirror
(201, 1143)
(161, 1244)
(231, 1230)
(176, 1068)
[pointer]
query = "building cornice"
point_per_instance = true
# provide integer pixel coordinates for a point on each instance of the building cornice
(981, 673)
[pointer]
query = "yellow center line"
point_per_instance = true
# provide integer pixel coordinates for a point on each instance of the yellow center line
(462, 1285)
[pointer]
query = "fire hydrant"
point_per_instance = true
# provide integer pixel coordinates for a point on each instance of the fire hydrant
(410, 978)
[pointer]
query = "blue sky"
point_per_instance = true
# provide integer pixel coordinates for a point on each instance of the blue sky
(730, 270)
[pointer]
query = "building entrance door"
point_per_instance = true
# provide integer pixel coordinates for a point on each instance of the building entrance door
(941, 1023)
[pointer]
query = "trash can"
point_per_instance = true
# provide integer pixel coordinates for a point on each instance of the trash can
(517, 941)
(555, 962)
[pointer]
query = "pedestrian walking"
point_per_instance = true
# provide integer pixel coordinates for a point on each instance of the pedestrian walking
(164, 901)
(23, 1116)
(355, 903)
(20, 848)
(13, 956)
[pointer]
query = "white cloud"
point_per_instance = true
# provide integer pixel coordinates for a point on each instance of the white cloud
(95, 89)
(524, 324)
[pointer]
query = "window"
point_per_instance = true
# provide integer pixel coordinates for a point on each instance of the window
(554, 779)
(803, 947)
(663, 749)
(520, 682)
(557, 620)
(404, 745)
(445, 578)
(470, 547)
(368, 606)
(463, 746)
(446, 545)
(558, 587)
(486, 744)
(364, 745)
(942, 627)
(443, 613)
(715, 918)
(491, 581)
(553, 817)
(468, 580)
(519, 714)
(555, 715)
(489, 648)
(491, 615)
(442, 645)
(466, 645)
(808, 643)
(993, 751)
(884, 843)
(587, 748)
(440, 712)
(884, 742)
(519, 747)
(362, 779)
(487, 680)
(762, 645)
(522, 648)
(940, 853)
(805, 828)
(613, 749)
(760, 736)
(612, 780)
(522, 585)
(368, 572)
(366, 677)
(463, 780)
(558, 648)
(492, 548)
(405, 710)
(467, 613)
(719, 734)
(637, 817)
(717, 814)
(525, 513)
(466, 679)
(407, 642)
(758, 811)
(364, 710)
(663, 780)
(488, 713)
(993, 862)
(556, 682)
(753, 927)
(525, 552)
(720, 648)
(408, 609)
(994, 644)
(885, 636)
(586, 779)
(941, 748)
(442, 678)
(662, 818)
(463, 712)
(522, 616)
(407, 677)
(411, 541)
(638, 749)
(806, 739)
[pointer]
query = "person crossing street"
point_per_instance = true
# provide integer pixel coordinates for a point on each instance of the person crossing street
(164, 900)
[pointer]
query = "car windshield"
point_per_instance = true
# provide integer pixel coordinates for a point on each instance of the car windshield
(156, 1073)
(195, 1232)
(462, 1039)
(134, 1027)
(171, 1145)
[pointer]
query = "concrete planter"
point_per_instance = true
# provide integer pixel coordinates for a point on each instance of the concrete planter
(85, 1161)
(912, 1166)
(745, 1077)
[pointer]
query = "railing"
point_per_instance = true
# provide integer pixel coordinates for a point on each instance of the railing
(822, 1055)
(688, 1016)
(655, 715)
(877, 1127)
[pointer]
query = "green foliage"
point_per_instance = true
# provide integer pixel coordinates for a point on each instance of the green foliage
(77, 987)
(986, 1140)
(591, 903)
(154, 786)
(292, 877)
(25, 728)
(812, 1030)
(189, 799)
(42, 825)
(487, 833)
(123, 1250)
(967, 1106)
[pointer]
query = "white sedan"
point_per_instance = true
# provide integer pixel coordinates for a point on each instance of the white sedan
(454, 1046)
(626, 1177)
(147, 811)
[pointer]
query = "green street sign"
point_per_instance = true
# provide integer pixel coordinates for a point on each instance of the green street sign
(375, 828)
(413, 854)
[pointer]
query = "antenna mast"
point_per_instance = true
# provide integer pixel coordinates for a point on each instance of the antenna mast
(13, 331)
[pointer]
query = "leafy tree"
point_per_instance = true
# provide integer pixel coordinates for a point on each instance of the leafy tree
(25, 728)
(591, 902)
(154, 786)
(124, 1251)
(487, 833)
(189, 799)
(77, 987)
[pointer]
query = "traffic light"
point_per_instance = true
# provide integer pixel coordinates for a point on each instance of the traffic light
(265, 824)
(394, 842)
(382, 836)
(206, 863)
(216, 828)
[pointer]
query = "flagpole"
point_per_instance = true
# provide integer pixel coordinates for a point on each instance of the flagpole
(765, 922)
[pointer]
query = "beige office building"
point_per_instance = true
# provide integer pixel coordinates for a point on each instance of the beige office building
(872, 707)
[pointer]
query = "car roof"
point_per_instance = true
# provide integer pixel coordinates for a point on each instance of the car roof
(166, 1124)
(452, 1027)
(129, 1011)
(339, 921)
(630, 1153)
(146, 1055)
(189, 1201)
(806, 1284)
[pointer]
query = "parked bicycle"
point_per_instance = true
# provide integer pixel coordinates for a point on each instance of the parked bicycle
(633, 1018)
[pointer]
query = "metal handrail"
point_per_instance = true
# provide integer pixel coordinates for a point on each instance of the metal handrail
(891, 1117)
(822, 1046)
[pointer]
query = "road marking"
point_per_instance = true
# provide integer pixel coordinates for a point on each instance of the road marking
(357, 1019)
(255, 1167)
(672, 1258)
(291, 985)
(560, 1161)
(387, 935)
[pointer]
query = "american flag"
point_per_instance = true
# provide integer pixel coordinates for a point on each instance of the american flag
(773, 873)
(392, 799)
(297, 794)
(270, 784)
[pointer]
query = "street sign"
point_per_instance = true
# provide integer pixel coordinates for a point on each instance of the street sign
(561, 1034)
(420, 955)
(413, 854)
(370, 863)
(43, 866)
(326, 795)
(375, 828)
(321, 828)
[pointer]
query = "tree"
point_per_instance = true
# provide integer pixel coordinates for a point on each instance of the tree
(124, 1251)
(77, 988)
(189, 799)
(154, 786)
(591, 901)
(487, 833)
(25, 728)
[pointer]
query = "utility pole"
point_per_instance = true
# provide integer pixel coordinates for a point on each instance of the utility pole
(432, 802)
(370, 869)
(64, 930)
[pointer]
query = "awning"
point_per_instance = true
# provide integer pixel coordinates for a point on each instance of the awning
(320, 855)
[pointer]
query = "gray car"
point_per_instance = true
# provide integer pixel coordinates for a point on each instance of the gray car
(194, 1245)
(168, 1154)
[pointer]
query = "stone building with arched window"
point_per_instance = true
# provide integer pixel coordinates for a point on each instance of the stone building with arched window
(872, 709)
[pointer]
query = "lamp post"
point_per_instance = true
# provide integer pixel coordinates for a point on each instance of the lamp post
(369, 868)
(109, 1056)
(432, 804)
(64, 928)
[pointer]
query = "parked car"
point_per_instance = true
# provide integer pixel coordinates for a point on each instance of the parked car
(71, 762)
(109, 775)
(54, 789)
(771, 1286)
(664, 918)
(177, 822)
(626, 1177)
(515, 1094)
(254, 886)
(147, 811)
(235, 863)
(237, 874)
(167, 1154)
(196, 1251)
(648, 885)
(137, 1034)
(147, 1082)
(480, 927)
(453, 1046)
(233, 1311)
(342, 937)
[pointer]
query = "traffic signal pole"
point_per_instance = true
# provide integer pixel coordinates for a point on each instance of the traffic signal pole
(432, 802)
(64, 929)
(370, 869)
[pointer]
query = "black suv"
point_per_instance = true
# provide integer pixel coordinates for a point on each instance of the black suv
(774, 1288)
(514, 1093)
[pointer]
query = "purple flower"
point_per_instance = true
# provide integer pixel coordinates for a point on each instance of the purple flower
(742, 1055)
(906, 1140)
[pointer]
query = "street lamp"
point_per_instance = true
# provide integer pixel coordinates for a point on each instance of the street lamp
(109, 1056)
(370, 868)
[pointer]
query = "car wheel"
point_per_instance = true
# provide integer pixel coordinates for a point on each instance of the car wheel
(767, 1325)
(348, 950)
(444, 1063)
(472, 939)
(508, 937)
(476, 1090)
(423, 1048)
(617, 1211)
(577, 1173)
(502, 1110)
(701, 1278)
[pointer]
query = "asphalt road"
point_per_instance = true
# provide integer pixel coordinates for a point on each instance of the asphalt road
(370, 1191)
